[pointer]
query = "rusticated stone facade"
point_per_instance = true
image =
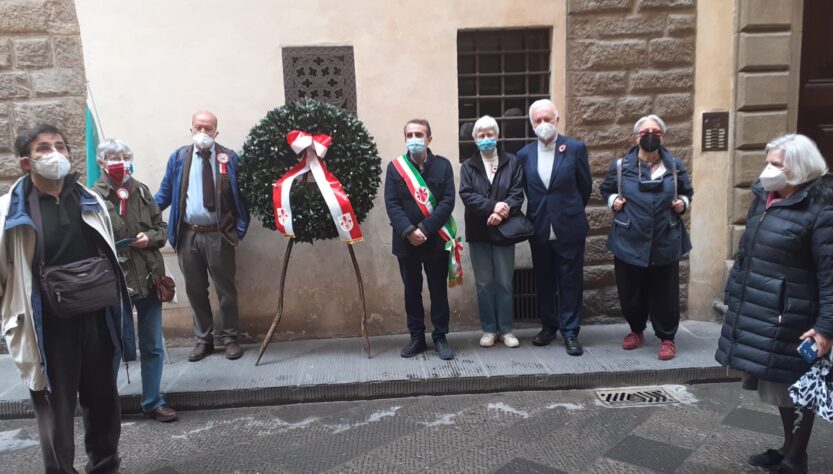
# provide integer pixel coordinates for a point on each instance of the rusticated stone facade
(625, 59)
(767, 65)
(41, 76)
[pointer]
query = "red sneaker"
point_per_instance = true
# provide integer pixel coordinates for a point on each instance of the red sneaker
(633, 341)
(667, 350)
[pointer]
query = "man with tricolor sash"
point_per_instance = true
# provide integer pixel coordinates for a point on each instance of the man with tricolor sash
(419, 198)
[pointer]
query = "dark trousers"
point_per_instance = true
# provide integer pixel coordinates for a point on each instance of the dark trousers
(79, 356)
(201, 254)
(559, 269)
(650, 292)
(436, 271)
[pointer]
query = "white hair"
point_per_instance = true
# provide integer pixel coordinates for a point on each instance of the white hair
(540, 104)
(485, 122)
(112, 147)
(802, 158)
(652, 117)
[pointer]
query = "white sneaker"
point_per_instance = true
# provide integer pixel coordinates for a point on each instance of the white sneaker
(510, 341)
(488, 339)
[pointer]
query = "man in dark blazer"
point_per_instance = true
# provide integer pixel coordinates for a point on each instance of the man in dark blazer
(416, 242)
(557, 183)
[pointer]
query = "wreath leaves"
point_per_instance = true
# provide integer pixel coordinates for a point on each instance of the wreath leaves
(352, 158)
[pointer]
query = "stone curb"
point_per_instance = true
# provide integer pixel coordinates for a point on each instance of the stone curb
(219, 399)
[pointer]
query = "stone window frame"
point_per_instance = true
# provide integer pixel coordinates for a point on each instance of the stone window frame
(501, 70)
(325, 73)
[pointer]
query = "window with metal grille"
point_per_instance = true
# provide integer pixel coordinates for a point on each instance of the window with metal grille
(500, 73)
(524, 299)
(323, 73)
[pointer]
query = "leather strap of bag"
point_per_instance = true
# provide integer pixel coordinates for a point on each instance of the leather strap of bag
(674, 172)
(619, 176)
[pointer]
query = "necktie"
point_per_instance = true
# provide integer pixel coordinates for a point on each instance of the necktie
(207, 180)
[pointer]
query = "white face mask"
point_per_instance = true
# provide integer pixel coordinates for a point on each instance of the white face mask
(203, 141)
(53, 166)
(773, 179)
(545, 131)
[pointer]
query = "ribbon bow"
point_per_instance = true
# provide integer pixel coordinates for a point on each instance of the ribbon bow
(314, 148)
(300, 141)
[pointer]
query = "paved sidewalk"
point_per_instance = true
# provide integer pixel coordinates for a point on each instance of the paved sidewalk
(338, 369)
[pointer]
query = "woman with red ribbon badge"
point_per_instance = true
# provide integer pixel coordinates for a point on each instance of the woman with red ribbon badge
(419, 198)
(139, 232)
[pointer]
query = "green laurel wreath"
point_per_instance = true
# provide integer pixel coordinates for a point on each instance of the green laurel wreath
(352, 158)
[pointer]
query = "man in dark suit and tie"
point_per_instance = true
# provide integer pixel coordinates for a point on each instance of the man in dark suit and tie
(557, 183)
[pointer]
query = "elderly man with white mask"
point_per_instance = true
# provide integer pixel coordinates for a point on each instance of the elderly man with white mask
(557, 185)
(208, 218)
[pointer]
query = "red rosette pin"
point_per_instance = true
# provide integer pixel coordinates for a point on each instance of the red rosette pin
(222, 158)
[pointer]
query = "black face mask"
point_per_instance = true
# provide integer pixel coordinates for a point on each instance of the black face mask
(649, 142)
(648, 186)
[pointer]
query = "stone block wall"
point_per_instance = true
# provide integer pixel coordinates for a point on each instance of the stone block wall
(767, 70)
(625, 59)
(41, 76)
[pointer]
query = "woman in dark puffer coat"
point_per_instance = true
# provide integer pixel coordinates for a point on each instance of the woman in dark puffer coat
(780, 289)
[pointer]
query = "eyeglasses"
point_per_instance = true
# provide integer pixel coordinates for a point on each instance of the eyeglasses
(44, 148)
(651, 131)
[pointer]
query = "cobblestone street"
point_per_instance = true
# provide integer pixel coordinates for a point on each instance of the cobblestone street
(713, 429)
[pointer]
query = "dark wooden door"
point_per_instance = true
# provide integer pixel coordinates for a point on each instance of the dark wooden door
(815, 104)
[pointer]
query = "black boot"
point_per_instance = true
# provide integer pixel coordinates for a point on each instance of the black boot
(416, 346)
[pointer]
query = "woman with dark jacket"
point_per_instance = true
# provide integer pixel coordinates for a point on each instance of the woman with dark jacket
(648, 191)
(491, 187)
(780, 288)
(137, 221)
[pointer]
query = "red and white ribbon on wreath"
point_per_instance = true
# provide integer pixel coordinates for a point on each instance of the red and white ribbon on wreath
(314, 149)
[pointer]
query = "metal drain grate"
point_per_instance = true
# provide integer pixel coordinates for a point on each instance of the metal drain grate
(635, 397)
(525, 303)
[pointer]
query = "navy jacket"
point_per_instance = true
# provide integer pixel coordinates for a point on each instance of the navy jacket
(480, 196)
(781, 284)
(647, 232)
(404, 214)
(561, 205)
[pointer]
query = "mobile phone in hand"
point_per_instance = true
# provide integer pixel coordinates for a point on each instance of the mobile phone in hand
(809, 350)
(125, 242)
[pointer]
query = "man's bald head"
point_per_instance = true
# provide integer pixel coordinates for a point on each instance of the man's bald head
(204, 121)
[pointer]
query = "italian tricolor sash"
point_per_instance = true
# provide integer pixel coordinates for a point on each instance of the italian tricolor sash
(426, 203)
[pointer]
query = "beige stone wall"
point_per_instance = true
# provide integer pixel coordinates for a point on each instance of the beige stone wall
(41, 76)
(714, 85)
(626, 59)
(768, 42)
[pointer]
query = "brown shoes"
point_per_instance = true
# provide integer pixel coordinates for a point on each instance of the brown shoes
(203, 349)
(164, 413)
(233, 351)
(200, 351)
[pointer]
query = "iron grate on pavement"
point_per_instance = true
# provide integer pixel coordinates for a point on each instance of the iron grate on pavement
(635, 397)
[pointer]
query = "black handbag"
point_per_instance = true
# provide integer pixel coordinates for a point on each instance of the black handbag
(516, 228)
(76, 288)
(80, 287)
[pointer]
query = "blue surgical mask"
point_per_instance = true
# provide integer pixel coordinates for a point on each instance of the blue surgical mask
(416, 145)
(487, 145)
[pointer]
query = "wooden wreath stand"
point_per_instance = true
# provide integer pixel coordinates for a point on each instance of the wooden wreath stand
(268, 338)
